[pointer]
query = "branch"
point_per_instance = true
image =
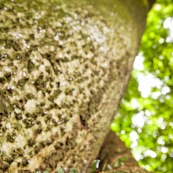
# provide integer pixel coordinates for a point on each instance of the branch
(115, 156)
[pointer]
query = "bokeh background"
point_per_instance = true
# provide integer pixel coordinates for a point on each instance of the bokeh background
(145, 118)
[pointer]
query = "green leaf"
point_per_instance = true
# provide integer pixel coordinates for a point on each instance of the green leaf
(60, 170)
(94, 166)
(72, 170)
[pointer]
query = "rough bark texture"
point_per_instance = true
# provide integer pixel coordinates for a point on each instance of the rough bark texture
(64, 66)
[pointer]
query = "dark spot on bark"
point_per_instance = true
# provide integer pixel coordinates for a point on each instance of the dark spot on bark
(4, 166)
(83, 121)
(18, 116)
(24, 162)
(31, 142)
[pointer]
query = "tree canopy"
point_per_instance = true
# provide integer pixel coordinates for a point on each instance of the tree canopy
(144, 120)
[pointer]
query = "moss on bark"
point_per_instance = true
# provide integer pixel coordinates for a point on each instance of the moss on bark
(64, 67)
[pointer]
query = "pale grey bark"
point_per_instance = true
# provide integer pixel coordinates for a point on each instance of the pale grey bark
(64, 69)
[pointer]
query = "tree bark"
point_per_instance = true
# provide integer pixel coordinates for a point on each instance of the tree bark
(64, 69)
(114, 157)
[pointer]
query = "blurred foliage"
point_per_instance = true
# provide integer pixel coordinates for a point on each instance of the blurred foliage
(145, 119)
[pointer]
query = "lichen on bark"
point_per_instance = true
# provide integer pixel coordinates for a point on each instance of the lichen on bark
(64, 66)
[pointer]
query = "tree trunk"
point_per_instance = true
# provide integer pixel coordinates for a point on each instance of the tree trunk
(64, 67)
(115, 157)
